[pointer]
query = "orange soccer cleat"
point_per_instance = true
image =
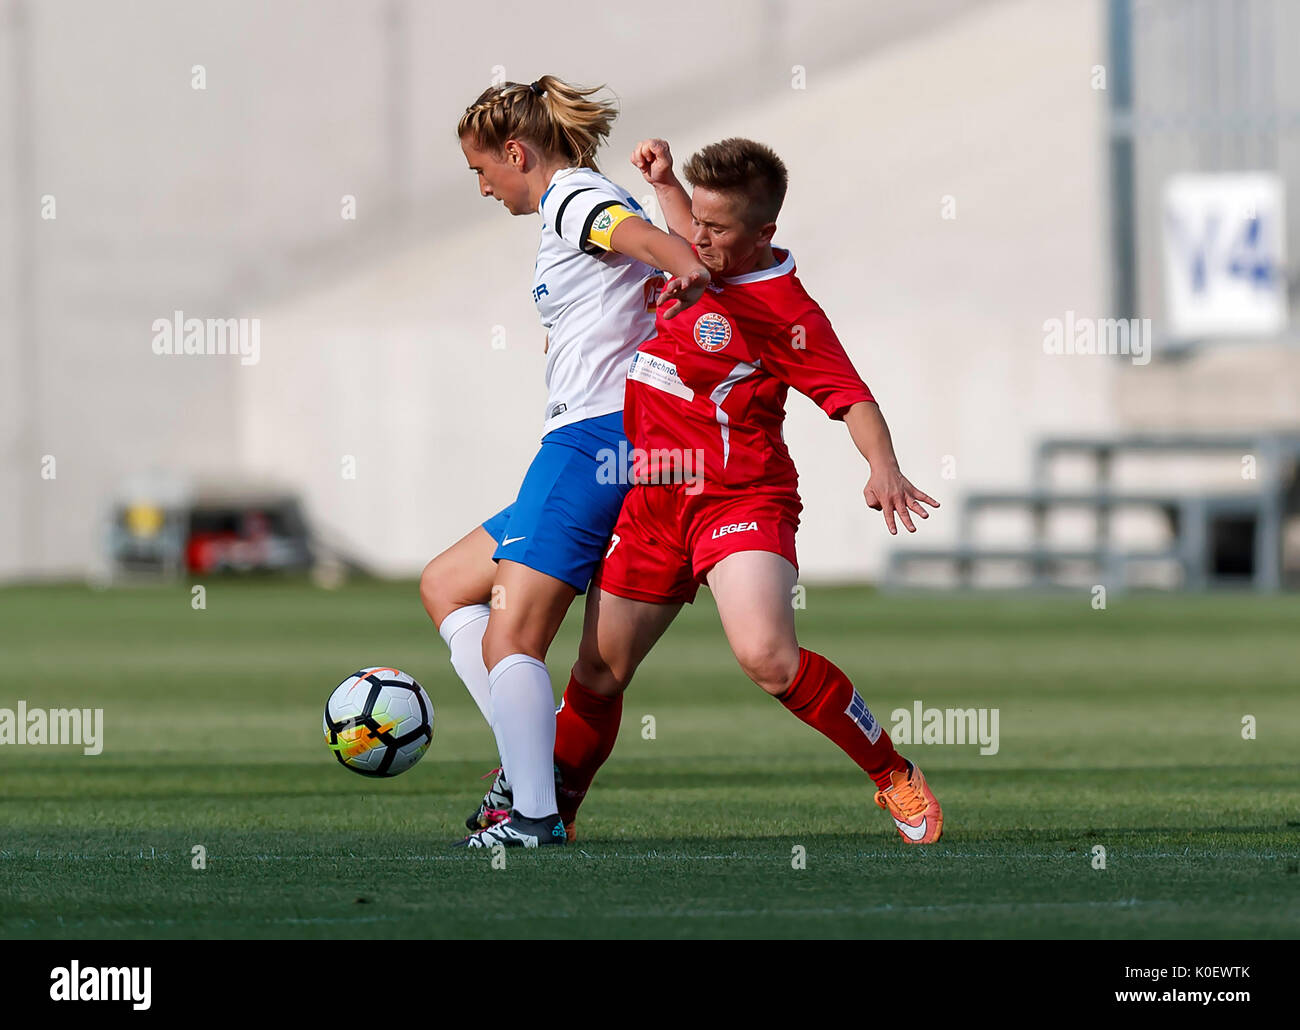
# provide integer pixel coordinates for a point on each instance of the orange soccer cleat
(913, 805)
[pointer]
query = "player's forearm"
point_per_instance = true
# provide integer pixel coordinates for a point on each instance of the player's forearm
(676, 206)
(638, 239)
(870, 435)
(675, 256)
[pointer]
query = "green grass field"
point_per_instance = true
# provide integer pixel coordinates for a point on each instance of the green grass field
(1119, 728)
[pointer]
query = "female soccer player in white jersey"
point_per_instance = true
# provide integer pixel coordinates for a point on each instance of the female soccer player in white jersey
(597, 283)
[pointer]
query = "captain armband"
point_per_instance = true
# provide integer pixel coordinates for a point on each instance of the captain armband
(600, 226)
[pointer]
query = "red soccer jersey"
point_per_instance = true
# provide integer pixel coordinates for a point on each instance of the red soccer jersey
(710, 385)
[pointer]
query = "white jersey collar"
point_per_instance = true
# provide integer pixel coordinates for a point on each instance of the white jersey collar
(558, 174)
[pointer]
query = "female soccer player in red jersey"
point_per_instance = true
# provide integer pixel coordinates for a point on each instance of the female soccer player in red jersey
(597, 282)
(715, 499)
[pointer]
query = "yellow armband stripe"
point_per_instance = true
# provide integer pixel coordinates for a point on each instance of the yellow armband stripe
(601, 224)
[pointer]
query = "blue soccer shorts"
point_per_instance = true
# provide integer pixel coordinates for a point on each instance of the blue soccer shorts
(568, 503)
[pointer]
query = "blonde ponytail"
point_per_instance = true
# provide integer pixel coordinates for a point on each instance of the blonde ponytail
(553, 115)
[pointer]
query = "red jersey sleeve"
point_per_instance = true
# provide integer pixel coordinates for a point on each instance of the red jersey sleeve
(812, 360)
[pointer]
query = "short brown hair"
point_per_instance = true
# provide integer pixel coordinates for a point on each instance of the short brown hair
(742, 167)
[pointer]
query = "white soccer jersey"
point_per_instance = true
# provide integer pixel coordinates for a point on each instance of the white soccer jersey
(597, 305)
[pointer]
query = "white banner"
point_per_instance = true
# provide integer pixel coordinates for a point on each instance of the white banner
(1225, 255)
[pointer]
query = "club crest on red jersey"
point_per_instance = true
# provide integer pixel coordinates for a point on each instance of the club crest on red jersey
(712, 331)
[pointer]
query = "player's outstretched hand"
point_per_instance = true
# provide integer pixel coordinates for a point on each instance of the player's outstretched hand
(888, 491)
(654, 161)
(682, 292)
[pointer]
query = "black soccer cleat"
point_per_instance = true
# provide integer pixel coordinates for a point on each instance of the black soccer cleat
(496, 803)
(516, 831)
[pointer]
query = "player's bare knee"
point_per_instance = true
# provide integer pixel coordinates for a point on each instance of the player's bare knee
(431, 594)
(773, 669)
(501, 639)
(597, 676)
(446, 585)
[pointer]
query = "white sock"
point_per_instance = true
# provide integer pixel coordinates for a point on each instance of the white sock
(524, 704)
(463, 631)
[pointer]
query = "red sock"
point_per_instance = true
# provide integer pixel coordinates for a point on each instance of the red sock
(823, 697)
(586, 727)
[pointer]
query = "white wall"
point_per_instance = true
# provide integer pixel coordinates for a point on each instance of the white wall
(943, 317)
(221, 202)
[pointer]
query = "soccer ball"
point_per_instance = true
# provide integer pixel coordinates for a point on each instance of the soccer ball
(378, 722)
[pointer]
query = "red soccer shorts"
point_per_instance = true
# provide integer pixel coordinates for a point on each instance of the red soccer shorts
(666, 540)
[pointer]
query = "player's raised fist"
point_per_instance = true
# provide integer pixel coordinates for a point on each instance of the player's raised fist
(653, 160)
